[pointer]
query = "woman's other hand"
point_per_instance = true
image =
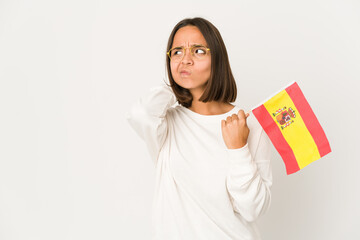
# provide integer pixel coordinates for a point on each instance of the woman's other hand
(235, 131)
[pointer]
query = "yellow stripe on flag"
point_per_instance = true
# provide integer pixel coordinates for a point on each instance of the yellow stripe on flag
(296, 133)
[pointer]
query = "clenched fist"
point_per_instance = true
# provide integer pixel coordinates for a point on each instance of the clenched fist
(234, 130)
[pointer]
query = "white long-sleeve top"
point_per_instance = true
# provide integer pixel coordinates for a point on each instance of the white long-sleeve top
(204, 191)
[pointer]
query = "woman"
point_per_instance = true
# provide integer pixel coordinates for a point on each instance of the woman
(213, 172)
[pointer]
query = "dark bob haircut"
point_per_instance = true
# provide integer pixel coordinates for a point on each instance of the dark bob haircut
(221, 86)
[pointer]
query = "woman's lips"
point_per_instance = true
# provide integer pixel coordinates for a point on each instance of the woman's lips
(184, 73)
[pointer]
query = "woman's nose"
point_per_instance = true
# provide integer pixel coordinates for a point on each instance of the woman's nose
(187, 57)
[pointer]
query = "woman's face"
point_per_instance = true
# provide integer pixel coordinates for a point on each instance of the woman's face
(198, 71)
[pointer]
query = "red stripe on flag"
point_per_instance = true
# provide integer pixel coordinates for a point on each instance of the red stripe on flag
(276, 137)
(309, 118)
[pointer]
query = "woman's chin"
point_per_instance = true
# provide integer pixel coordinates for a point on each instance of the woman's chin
(189, 84)
(185, 83)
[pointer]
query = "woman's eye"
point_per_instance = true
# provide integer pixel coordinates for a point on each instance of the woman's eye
(200, 51)
(177, 52)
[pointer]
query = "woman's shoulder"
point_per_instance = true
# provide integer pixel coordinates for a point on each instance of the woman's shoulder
(253, 123)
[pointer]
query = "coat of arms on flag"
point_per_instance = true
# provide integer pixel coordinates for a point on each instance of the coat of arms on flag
(293, 128)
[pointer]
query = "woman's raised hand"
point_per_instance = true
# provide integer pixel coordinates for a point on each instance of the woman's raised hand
(235, 131)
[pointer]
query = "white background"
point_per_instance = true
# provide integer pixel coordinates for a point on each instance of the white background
(72, 168)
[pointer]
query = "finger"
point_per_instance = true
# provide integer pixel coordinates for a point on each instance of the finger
(241, 114)
(223, 123)
(234, 116)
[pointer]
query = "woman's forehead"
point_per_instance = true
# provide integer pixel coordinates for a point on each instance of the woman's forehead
(188, 36)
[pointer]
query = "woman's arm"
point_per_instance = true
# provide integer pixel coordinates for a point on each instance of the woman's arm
(147, 116)
(249, 179)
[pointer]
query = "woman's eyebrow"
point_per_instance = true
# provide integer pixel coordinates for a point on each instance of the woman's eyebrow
(196, 45)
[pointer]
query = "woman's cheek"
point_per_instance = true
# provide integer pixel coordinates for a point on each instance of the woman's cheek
(206, 68)
(173, 71)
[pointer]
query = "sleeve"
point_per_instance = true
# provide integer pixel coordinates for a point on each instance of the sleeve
(147, 116)
(249, 179)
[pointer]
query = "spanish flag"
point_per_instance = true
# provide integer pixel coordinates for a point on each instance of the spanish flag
(293, 128)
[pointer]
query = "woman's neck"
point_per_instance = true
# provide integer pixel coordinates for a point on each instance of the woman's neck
(210, 108)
